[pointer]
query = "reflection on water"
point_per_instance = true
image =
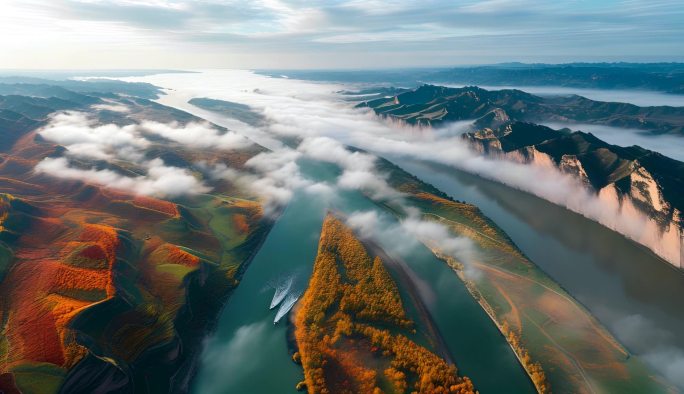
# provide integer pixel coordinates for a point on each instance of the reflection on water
(246, 330)
(623, 284)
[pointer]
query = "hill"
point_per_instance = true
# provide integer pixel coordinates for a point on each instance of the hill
(431, 105)
(105, 287)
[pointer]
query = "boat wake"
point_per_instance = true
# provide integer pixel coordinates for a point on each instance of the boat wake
(287, 304)
(281, 291)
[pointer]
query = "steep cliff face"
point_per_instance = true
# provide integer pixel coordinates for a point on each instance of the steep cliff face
(639, 184)
(641, 189)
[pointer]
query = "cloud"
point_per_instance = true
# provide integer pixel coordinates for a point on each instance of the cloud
(314, 113)
(345, 33)
(274, 176)
(404, 236)
(325, 123)
(359, 170)
(666, 144)
(366, 223)
(670, 362)
(83, 137)
(114, 107)
(197, 135)
(160, 180)
(239, 355)
(652, 343)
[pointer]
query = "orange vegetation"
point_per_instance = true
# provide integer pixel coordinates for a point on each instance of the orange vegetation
(534, 369)
(156, 204)
(42, 294)
(351, 327)
(172, 254)
(75, 239)
(241, 224)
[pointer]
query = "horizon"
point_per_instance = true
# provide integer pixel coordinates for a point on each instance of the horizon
(503, 64)
(332, 196)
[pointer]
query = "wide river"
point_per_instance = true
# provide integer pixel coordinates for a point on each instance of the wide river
(248, 352)
(631, 291)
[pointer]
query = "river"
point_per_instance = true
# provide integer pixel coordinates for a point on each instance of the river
(248, 352)
(631, 291)
(635, 294)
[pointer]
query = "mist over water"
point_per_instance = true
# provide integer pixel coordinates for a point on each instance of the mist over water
(668, 145)
(308, 111)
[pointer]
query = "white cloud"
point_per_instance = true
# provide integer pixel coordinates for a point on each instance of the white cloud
(274, 176)
(347, 33)
(114, 107)
(197, 135)
(160, 180)
(404, 236)
(325, 123)
(83, 137)
(652, 344)
(359, 170)
(237, 354)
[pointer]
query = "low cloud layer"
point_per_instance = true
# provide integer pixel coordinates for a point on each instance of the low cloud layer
(652, 343)
(668, 145)
(197, 135)
(84, 137)
(313, 113)
(405, 235)
(219, 357)
(160, 180)
(359, 170)
(324, 122)
(274, 176)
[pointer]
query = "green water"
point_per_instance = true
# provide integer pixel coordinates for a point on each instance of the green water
(248, 353)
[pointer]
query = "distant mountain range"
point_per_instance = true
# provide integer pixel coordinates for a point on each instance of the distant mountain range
(662, 77)
(40, 87)
(432, 105)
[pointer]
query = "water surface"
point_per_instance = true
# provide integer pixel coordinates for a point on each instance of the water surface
(635, 294)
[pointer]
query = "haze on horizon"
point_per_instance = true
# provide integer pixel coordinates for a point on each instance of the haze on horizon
(110, 34)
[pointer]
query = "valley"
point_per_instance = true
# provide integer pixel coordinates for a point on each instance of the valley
(231, 242)
(341, 197)
(639, 184)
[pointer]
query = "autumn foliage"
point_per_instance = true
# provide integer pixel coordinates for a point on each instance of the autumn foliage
(534, 369)
(48, 292)
(351, 327)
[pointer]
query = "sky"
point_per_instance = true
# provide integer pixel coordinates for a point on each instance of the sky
(339, 34)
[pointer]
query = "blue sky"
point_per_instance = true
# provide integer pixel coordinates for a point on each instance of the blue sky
(333, 34)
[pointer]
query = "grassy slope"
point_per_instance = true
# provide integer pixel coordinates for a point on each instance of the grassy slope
(154, 278)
